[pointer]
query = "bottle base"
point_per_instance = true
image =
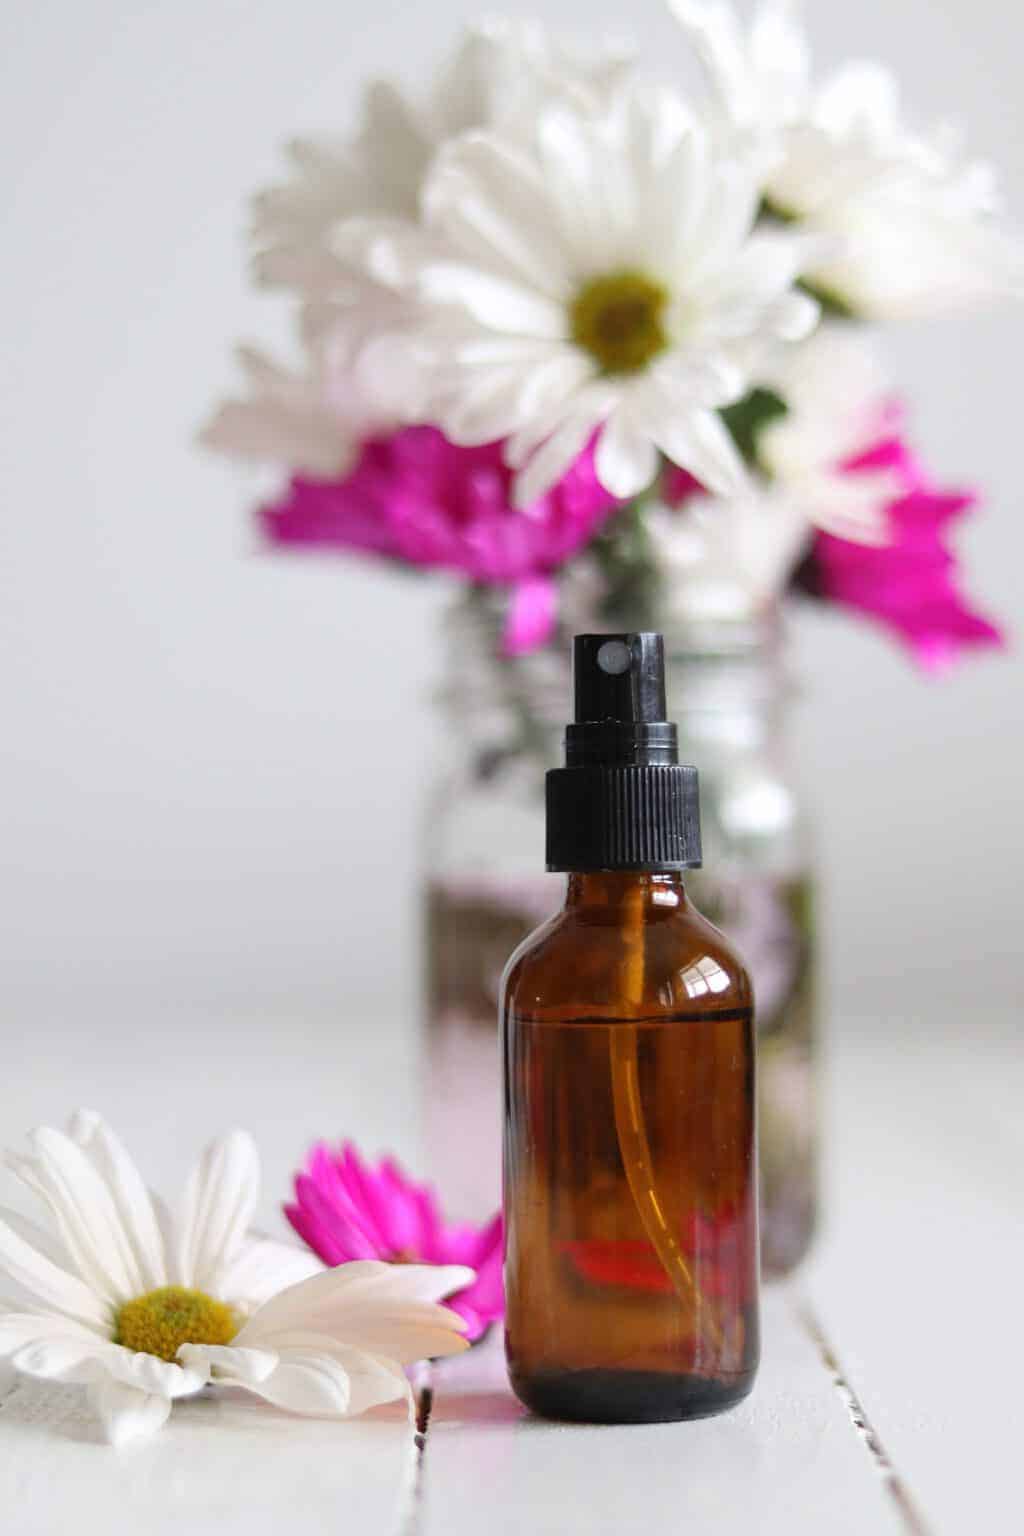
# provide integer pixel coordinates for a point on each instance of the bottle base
(627, 1397)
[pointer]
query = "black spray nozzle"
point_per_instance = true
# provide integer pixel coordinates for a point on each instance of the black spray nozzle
(619, 685)
(619, 677)
(623, 801)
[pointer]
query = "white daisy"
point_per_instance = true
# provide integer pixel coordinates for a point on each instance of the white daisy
(498, 77)
(601, 278)
(144, 1309)
(317, 233)
(910, 219)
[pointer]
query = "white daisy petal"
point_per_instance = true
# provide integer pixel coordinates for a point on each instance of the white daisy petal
(372, 1379)
(54, 1347)
(724, 235)
(626, 459)
(148, 1373)
(262, 1267)
(496, 227)
(313, 1384)
(401, 142)
(863, 97)
(20, 1331)
(130, 1195)
(837, 406)
(554, 380)
(125, 1413)
(546, 466)
(794, 316)
(699, 442)
(226, 1362)
(489, 414)
(764, 267)
(49, 1284)
(314, 270)
(42, 1241)
(408, 1282)
(294, 1306)
(713, 381)
(508, 393)
(493, 299)
(168, 1226)
(285, 418)
(569, 161)
(675, 207)
(716, 32)
(386, 1309)
(220, 1199)
(59, 1357)
(724, 559)
(86, 1216)
(311, 1373)
(401, 1331)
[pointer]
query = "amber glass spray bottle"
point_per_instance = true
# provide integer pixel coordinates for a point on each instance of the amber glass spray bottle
(631, 1263)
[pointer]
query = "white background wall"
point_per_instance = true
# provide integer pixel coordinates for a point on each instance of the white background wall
(186, 786)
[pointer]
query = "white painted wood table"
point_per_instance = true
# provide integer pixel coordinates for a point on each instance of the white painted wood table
(888, 1400)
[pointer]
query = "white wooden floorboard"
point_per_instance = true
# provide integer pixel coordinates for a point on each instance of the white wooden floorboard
(921, 1269)
(229, 1466)
(916, 1283)
(786, 1461)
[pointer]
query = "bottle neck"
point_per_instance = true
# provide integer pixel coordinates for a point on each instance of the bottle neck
(626, 890)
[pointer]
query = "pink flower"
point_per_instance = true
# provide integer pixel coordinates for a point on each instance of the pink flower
(909, 584)
(345, 1209)
(417, 498)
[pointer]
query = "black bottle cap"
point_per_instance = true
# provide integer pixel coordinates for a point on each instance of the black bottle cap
(623, 799)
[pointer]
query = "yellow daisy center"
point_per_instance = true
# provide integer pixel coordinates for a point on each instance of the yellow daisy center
(619, 319)
(162, 1320)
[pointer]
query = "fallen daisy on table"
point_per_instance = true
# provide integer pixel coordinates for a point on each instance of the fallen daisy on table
(143, 1308)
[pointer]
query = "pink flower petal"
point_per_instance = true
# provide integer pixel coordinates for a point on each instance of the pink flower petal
(363, 1188)
(417, 498)
(345, 1229)
(404, 1218)
(531, 618)
(910, 583)
(317, 1235)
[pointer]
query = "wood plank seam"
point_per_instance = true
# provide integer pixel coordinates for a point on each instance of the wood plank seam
(865, 1430)
(423, 1391)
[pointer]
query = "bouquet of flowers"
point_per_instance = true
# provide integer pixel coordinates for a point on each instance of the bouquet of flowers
(578, 338)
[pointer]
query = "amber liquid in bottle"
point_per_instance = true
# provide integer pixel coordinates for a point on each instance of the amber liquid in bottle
(629, 1160)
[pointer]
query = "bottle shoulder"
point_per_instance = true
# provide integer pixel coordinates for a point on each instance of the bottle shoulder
(587, 962)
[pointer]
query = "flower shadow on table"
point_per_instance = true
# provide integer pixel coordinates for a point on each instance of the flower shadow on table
(50, 1408)
(61, 1412)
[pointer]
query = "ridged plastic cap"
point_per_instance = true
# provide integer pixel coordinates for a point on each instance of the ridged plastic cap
(623, 799)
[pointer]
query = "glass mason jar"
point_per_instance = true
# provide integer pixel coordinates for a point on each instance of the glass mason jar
(485, 888)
